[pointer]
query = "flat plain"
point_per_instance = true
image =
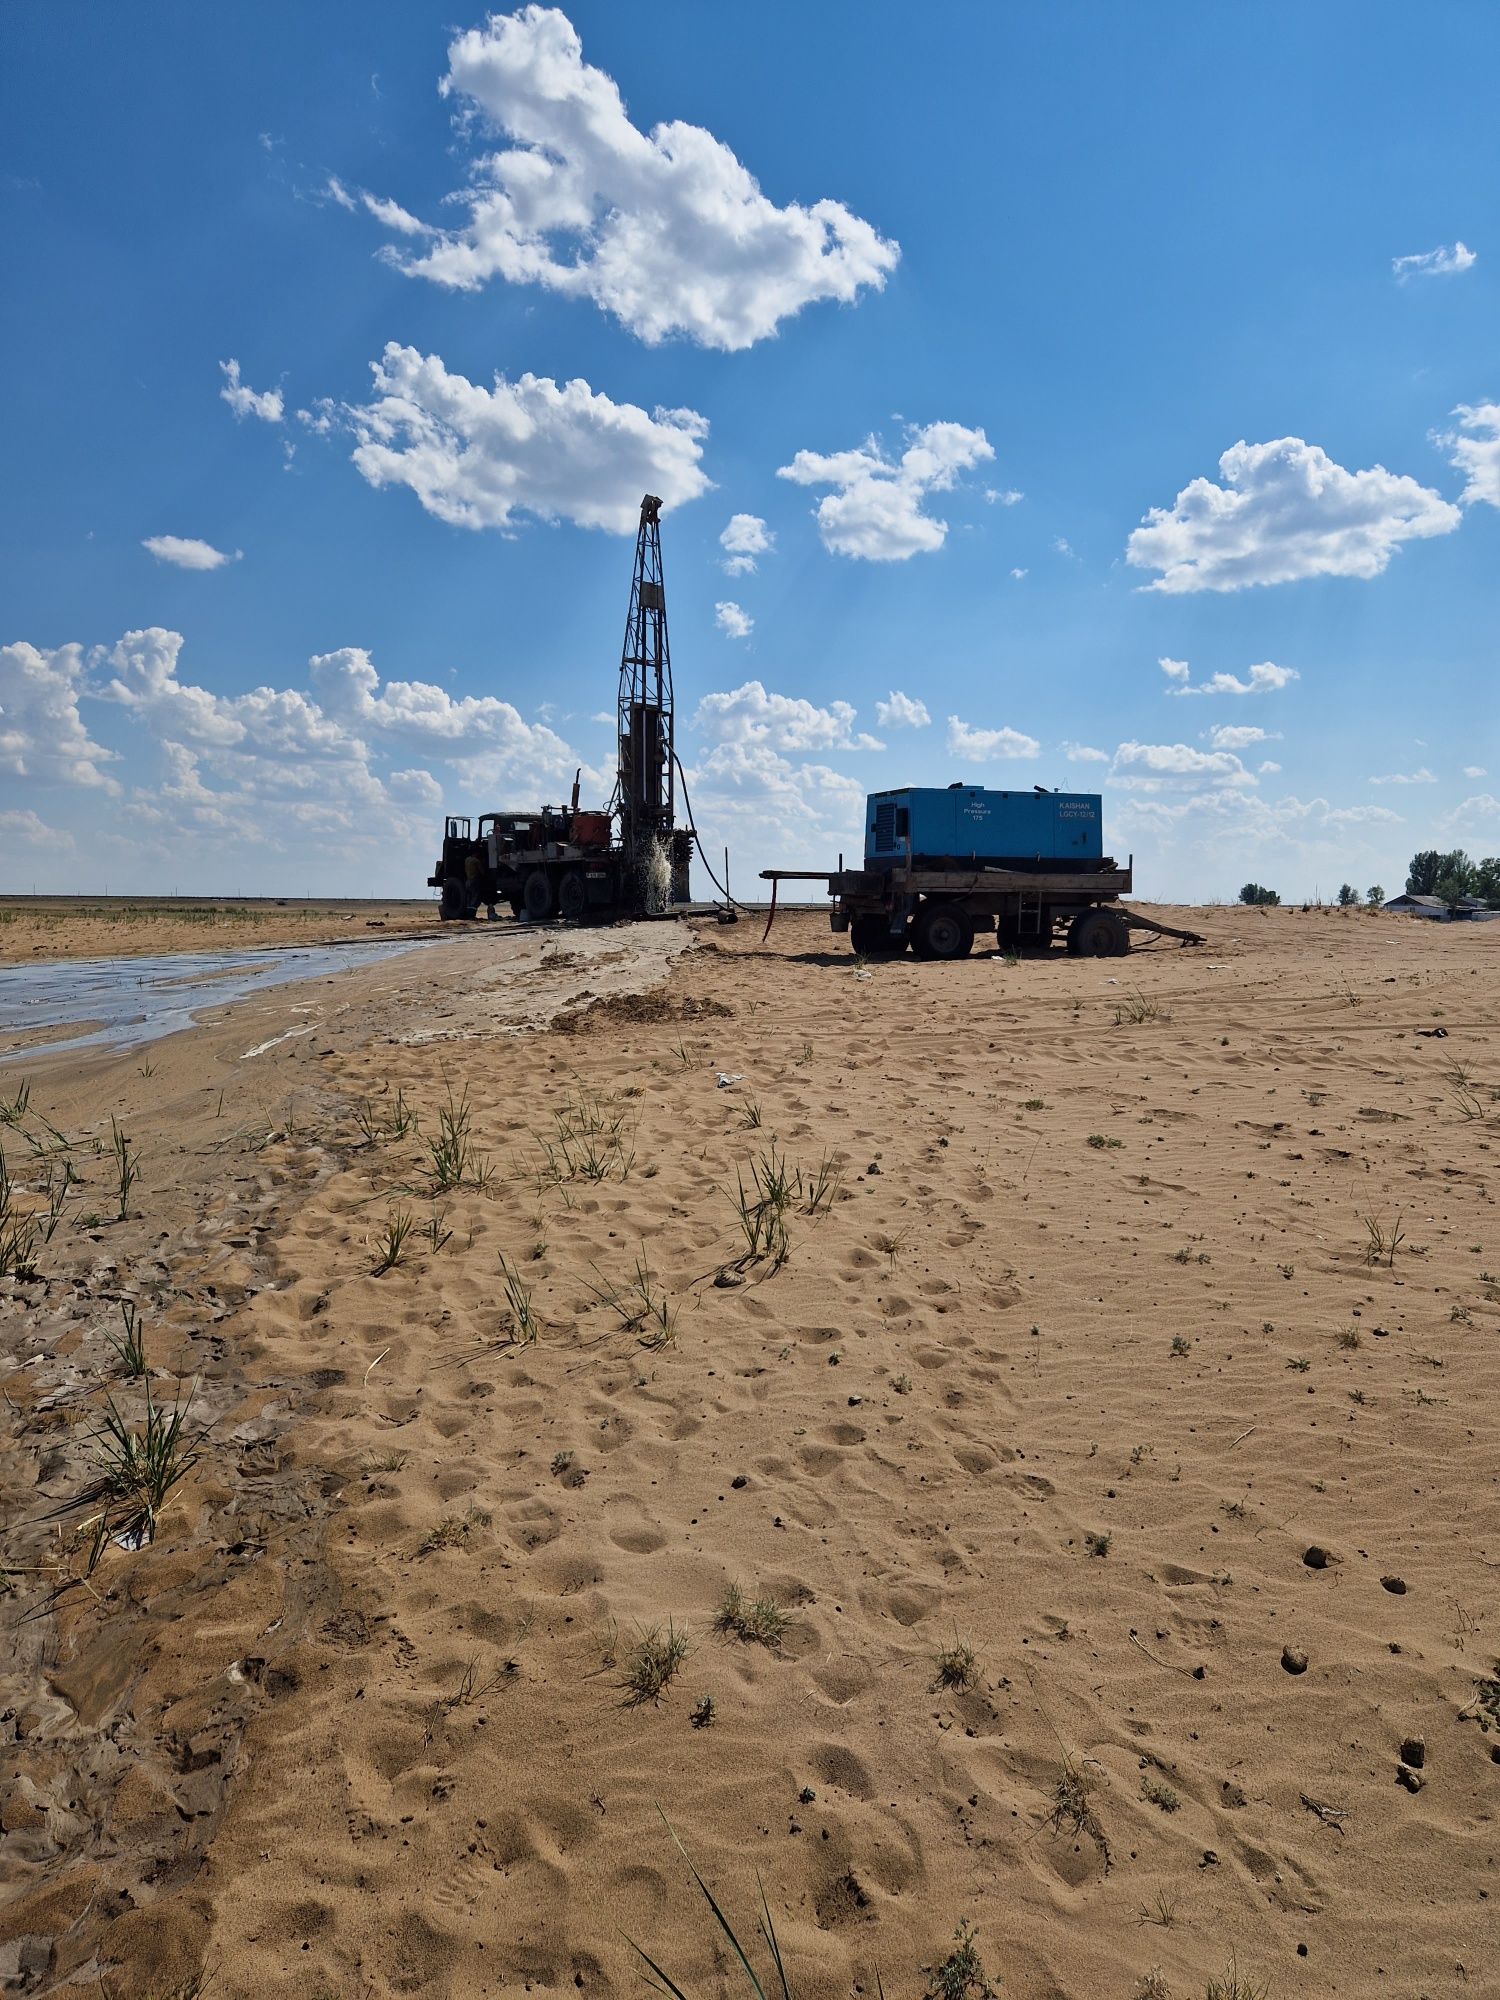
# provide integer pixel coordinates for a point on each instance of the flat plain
(1010, 1444)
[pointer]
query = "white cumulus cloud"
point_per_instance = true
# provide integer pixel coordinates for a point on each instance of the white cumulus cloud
(183, 552)
(732, 621)
(876, 509)
(43, 736)
(23, 828)
(1284, 511)
(267, 404)
(1084, 753)
(750, 714)
(1152, 766)
(1421, 776)
(1475, 771)
(1475, 448)
(1263, 678)
(902, 711)
(667, 230)
(475, 456)
(1238, 736)
(745, 538)
(981, 746)
(1447, 261)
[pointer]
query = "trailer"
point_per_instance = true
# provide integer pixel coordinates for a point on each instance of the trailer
(943, 866)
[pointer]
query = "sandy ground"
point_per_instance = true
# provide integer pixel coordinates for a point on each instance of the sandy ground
(106, 926)
(1107, 1523)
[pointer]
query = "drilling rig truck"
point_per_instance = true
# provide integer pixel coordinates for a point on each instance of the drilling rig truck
(628, 858)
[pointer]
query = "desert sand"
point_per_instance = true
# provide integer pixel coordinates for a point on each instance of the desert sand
(1105, 1455)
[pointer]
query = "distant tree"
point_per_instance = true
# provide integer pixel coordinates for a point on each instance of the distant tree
(1254, 893)
(1347, 894)
(1422, 876)
(1487, 881)
(1430, 869)
(1452, 889)
(1374, 895)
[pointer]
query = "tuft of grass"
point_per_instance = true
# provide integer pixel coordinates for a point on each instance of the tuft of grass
(750, 1115)
(452, 1157)
(758, 1621)
(1097, 1542)
(956, 1665)
(663, 1982)
(13, 1109)
(1034, 1104)
(1232, 1984)
(1098, 1141)
(642, 1305)
(961, 1975)
(821, 1185)
(1162, 1909)
(139, 1468)
(449, 1533)
(1347, 1336)
(1160, 1793)
(1073, 1805)
(130, 1343)
(1137, 1007)
(391, 1242)
(525, 1326)
(17, 1232)
(652, 1663)
(1181, 1344)
(1299, 1363)
(127, 1166)
(1381, 1239)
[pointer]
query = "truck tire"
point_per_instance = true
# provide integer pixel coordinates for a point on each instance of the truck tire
(537, 894)
(872, 937)
(453, 904)
(942, 930)
(572, 895)
(1098, 934)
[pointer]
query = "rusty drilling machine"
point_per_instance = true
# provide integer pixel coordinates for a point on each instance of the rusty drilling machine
(628, 859)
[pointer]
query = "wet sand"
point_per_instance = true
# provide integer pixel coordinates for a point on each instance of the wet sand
(48, 927)
(1107, 1522)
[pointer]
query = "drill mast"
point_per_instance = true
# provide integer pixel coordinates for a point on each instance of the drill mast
(644, 791)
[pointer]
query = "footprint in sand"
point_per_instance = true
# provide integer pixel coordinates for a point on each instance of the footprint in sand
(629, 1529)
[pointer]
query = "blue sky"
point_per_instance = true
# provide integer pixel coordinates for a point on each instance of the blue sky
(1026, 348)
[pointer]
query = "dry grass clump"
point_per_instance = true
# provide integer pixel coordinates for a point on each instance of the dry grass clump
(957, 1666)
(652, 1662)
(1232, 1984)
(1073, 1805)
(757, 1621)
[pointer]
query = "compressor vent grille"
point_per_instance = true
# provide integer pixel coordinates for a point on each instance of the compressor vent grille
(885, 828)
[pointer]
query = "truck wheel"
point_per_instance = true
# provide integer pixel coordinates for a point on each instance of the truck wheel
(536, 894)
(1098, 934)
(872, 937)
(452, 903)
(572, 895)
(942, 930)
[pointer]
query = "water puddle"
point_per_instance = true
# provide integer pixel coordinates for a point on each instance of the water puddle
(122, 1002)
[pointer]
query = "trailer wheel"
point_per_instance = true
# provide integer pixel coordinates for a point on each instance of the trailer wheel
(453, 903)
(572, 895)
(1098, 934)
(536, 894)
(942, 930)
(872, 937)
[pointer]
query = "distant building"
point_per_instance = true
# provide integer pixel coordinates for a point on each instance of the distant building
(1466, 908)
